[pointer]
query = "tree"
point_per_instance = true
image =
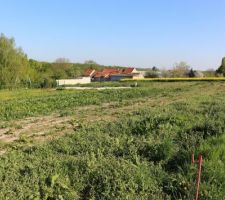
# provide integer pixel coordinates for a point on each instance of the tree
(191, 73)
(180, 69)
(154, 68)
(209, 73)
(90, 62)
(153, 74)
(62, 60)
(13, 63)
(221, 69)
(41, 73)
(60, 67)
(195, 73)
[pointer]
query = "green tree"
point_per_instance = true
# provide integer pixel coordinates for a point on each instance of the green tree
(221, 69)
(153, 74)
(62, 60)
(42, 74)
(191, 73)
(90, 62)
(13, 63)
(60, 68)
(154, 68)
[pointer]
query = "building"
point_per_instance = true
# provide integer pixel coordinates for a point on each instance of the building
(126, 73)
(107, 74)
(113, 74)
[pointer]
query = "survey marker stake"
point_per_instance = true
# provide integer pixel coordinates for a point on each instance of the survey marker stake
(199, 162)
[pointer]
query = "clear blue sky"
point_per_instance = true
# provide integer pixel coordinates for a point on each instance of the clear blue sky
(140, 33)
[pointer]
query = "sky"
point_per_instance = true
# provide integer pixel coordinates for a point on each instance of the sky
(138, 33)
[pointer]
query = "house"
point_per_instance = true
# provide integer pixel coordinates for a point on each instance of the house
(105, 74)
(123, 73)
(139, 74)
(113, 74)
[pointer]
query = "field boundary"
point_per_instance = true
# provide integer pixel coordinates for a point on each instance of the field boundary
(176, 79)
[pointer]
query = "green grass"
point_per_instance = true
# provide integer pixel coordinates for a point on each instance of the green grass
(19, 104)
(145, 154)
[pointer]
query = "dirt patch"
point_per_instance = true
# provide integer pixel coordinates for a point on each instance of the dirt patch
(31, 126)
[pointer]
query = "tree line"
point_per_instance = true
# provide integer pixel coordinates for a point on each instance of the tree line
(16, 70)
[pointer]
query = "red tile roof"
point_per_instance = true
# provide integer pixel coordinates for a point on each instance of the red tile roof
(127, 70)
(110, 71)
(99, 74)
(107, 72)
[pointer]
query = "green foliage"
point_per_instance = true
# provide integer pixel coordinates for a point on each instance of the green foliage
(221, 69)
(90, 62)
(144, 155)
(44, 75)
(13, 63)
(32, 73)
(153, 74)
(191, 73)
(50, 101)
(214, 168)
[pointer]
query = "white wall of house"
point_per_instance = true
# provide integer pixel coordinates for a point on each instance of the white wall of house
(134, 71)
(81, 80)
(139, 74)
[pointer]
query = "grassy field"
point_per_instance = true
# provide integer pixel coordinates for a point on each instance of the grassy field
(131, 143)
